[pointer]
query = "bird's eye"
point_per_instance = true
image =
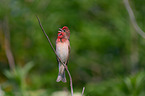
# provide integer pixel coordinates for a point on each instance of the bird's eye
(64, 30)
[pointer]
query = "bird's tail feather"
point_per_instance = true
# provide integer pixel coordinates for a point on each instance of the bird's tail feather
(61, 75)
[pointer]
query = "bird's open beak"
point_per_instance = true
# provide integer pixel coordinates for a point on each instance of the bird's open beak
(60, 29)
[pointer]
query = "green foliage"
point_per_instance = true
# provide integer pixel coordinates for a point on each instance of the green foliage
(102, 39)
(134, 85)
(129, 86)
(17, 77)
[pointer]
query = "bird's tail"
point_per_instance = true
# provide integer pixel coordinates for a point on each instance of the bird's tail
(61, 75)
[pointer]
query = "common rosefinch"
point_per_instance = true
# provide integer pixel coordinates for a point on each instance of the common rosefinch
(62, 50)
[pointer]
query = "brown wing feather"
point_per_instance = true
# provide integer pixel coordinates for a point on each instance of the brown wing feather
(68, 54)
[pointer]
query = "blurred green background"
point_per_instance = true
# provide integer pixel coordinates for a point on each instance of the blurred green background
(107, 54)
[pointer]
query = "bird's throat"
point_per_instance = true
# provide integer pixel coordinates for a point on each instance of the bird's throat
(61, 39)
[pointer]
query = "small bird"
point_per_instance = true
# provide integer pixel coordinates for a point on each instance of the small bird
(62, 50)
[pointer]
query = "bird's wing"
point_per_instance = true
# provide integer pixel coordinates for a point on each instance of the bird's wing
(68, 54)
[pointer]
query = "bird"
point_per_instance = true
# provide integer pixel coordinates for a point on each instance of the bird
(62, 51)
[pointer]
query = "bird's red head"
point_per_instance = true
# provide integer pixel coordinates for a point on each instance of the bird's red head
(65, 32)
(65, 28)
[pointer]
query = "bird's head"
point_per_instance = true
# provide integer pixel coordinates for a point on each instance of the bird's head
(65, 32)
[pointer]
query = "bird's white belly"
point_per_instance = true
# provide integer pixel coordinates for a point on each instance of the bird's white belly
(62, 51)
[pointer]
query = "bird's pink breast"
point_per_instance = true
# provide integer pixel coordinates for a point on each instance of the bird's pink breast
(62, 50)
